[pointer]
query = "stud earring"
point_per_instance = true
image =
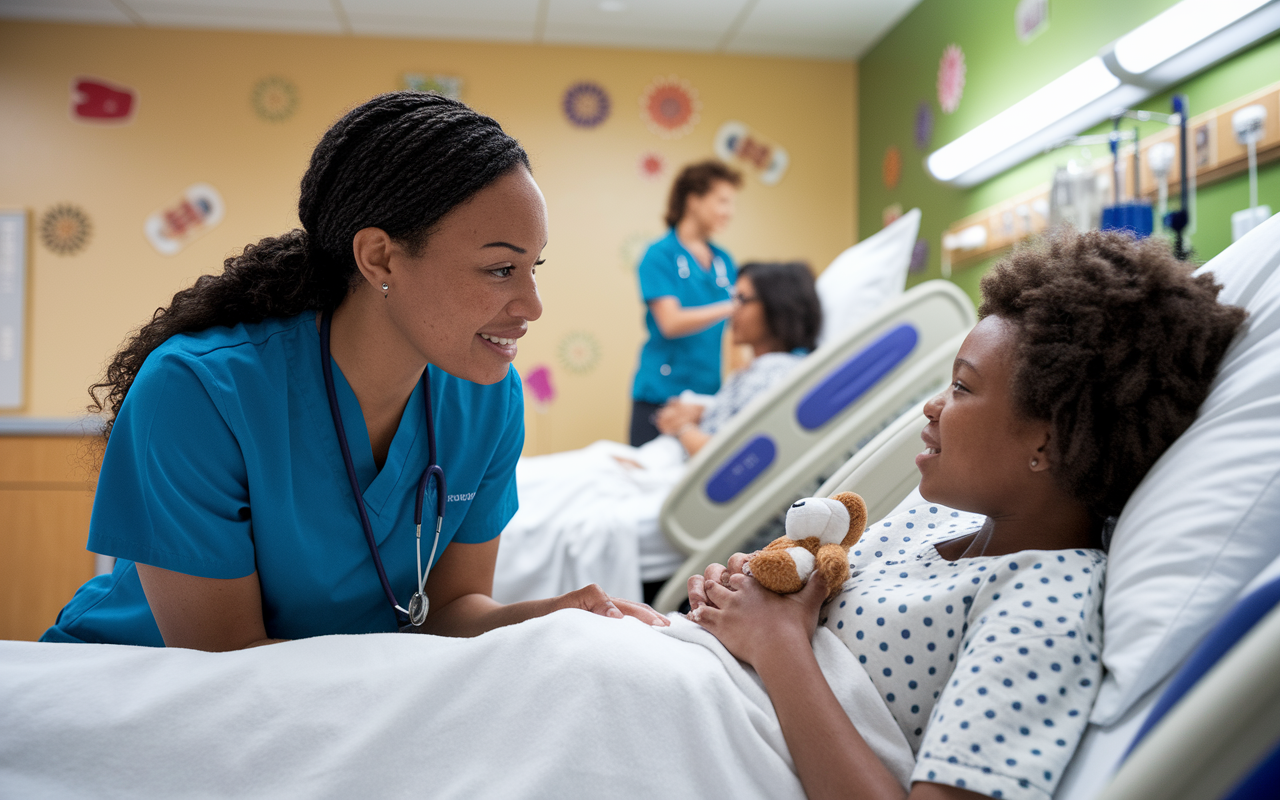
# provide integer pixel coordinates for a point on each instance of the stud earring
(384, 289)
(1035, 462)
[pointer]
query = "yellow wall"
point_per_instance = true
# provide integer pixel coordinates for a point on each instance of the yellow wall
(195, 123)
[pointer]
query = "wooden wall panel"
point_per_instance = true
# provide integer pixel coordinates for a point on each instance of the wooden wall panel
(46, 499)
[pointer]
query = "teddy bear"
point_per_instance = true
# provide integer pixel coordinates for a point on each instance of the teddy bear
(820, 531)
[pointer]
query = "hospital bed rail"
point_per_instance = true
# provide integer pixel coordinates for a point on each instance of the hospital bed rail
(1220, 738)
(789, 441)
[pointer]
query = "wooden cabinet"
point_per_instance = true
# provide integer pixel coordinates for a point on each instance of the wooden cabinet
(46, 496)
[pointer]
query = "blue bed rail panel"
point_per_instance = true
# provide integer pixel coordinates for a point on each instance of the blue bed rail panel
(739, 471)
(854, 377)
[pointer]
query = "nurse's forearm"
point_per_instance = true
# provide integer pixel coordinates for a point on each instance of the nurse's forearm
(473, 614)
(675, 321)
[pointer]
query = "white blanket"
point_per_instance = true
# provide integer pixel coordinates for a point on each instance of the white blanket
(570, 705)
(585, 517)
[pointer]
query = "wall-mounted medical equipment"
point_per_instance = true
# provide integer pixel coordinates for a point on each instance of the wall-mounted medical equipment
(1185, 39)
(1132, 214)
(1076, 197)
(1249, 124)
(1159, 161)
(973, 237)
(1212, 155)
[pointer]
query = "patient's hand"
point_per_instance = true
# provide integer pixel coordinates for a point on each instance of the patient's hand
(675, 415)
(750, 621)
(629, 463)
(715, 573)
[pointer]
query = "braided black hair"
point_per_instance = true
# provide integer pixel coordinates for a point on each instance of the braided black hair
(399, 162)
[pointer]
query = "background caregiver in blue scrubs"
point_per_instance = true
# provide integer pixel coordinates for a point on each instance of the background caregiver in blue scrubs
(686, 283)
(224, 492)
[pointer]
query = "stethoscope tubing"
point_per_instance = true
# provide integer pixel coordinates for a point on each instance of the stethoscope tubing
(433, 468)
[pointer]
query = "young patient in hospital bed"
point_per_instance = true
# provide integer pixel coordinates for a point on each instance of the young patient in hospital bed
(980, 626)
(591, 515)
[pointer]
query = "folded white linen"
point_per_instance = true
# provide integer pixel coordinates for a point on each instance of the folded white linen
(569, 705)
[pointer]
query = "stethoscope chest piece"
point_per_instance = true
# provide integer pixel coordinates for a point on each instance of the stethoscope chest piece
(418, 605)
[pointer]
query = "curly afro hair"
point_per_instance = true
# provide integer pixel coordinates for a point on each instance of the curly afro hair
(1119, 346)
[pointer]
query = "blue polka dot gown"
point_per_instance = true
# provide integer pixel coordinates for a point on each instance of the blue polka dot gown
(990, 664)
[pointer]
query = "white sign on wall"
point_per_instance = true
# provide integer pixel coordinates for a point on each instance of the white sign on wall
(13, 305)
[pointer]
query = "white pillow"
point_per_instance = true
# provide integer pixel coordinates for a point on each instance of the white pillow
(1206, 518)
(863, 277)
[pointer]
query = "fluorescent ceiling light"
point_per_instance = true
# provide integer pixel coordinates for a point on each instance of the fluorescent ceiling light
(1080, 87)
(1188, 23)
(1187, 38)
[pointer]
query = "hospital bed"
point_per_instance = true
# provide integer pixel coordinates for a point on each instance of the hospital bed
(789, 440)
(385, 714)
(1208, 721)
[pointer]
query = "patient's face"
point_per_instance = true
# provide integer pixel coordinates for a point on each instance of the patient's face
(978, 449)
(747, 323)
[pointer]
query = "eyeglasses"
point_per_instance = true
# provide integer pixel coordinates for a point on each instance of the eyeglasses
(742, 299)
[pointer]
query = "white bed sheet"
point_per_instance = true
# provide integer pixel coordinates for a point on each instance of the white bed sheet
(585, 517)
(569, 705)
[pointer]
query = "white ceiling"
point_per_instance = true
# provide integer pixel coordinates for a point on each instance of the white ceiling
(839, 29)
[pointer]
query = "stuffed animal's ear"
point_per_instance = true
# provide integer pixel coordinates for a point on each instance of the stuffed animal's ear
(857, 508)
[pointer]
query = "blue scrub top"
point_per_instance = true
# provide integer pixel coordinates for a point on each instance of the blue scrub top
(670, 366)
(224, 460)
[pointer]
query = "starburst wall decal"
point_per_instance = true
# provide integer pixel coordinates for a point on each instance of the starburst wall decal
(579, 352)
(65, 229)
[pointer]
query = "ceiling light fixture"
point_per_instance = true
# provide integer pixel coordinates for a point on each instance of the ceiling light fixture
(1185, 39)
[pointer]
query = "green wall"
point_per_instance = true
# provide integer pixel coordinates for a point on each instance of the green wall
(901, 72)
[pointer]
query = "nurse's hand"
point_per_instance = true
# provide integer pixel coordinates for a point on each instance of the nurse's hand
(594, 599)
(716, 573)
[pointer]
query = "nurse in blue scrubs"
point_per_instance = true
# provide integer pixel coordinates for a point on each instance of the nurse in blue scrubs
(224, 492)
(686, 283)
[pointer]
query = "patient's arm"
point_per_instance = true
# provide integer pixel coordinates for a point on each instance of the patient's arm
(681, 421)
(677, 413)
(772, 632)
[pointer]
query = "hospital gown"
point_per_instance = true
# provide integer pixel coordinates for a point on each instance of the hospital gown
(988, 664)
(742, 387)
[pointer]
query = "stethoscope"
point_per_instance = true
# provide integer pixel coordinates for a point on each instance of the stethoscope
(416, 614)
(722, 272)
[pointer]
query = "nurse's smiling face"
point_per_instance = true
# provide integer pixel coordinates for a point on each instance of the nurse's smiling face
(978, 448)
(469, 294)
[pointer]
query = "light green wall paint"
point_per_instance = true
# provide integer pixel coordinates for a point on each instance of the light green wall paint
(902, 70)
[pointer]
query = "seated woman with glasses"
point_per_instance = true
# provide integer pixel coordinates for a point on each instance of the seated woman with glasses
(592, 514)
(776, 313)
